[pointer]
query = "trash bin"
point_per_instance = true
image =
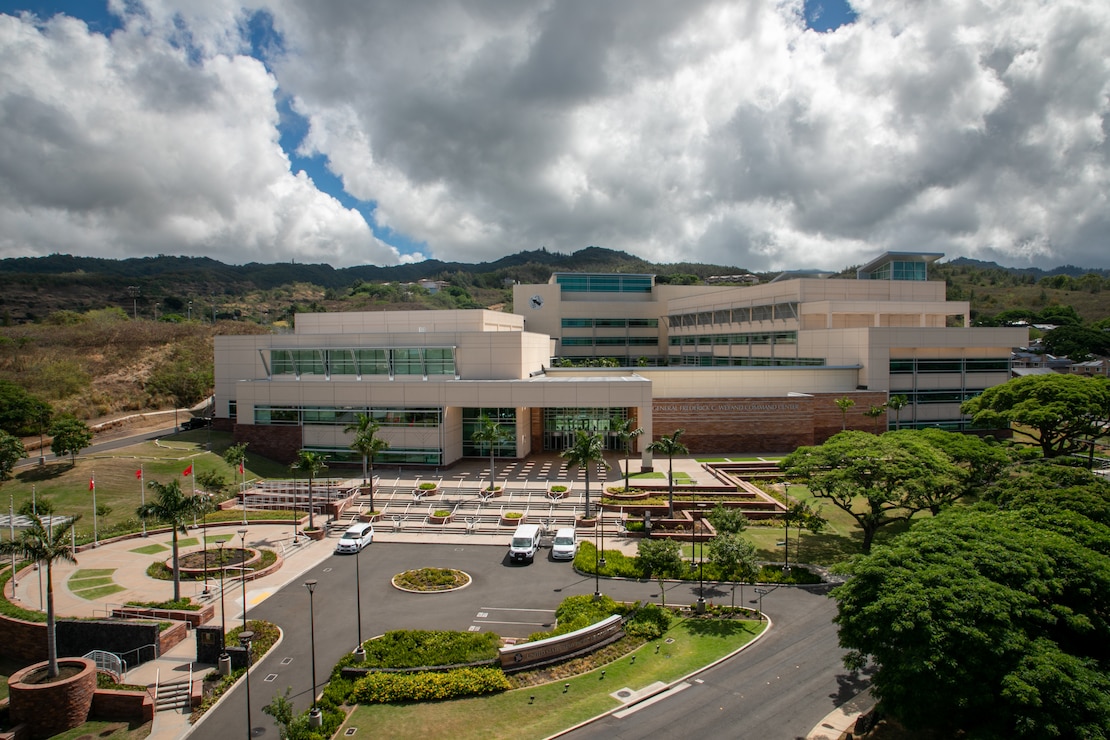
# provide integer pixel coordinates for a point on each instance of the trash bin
(225, 665)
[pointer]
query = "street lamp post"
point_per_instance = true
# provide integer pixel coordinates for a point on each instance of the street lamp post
(204, 536)
(360, 651)
(223, 613)
(315, 718)
(786, 522)
(761, 591)
(693, 543)
(245, 638)
(597, 569)
(243, 572)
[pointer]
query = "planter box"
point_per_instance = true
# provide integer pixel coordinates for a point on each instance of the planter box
(315, 534)
(377, 517)
(432, 519)
(52, 708)
(585, 523)
(509, 521)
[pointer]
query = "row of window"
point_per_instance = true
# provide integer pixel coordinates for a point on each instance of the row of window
(940, 396)
(606, 283)
(740, 339)
(422, 361)
(737, 315)
(610, 341)
(388, 456)
(957, 365)
(346, 416)
(898, 270)
(610, 323)
(475, 419)
(706, 360)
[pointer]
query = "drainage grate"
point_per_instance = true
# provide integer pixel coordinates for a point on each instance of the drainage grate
(271, 677)
(350, 731)
(286, 661)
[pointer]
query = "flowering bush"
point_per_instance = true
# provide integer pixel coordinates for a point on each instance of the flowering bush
(394, 687)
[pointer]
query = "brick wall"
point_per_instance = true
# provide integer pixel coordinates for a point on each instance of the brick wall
(273, 441)
(132, 706)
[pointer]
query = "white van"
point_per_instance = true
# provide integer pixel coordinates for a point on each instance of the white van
(354, 539)
(565, 546)
(526, 540)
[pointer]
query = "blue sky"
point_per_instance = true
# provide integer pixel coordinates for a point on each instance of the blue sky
(718, 131)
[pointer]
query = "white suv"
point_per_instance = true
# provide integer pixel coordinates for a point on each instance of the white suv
(355, 538)
(565, 546)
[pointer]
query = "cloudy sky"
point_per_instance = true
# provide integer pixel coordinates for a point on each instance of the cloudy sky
(757, 134)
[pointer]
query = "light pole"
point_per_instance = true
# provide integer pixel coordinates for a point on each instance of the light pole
(315, 719)
(786, 523)
(204, 536)
(761, 591)
(360, 652)
(223, 613)
(245, 638)
(243, 573)
(597, 569)
(693, 541)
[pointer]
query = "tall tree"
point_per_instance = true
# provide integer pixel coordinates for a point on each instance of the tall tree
(1062, 412)
(897, 402)
(311, 464)
(659, 559)
(670, 446)
(45, 546)
(734, 556)
(11, 452)
(586, 452)
(368, 444)
(877, 480)
(984, 624)
(236, 455)
(21, 413)
(627, 431)
(490, 434)
(844, 404)
(70, 436)
(172, 506)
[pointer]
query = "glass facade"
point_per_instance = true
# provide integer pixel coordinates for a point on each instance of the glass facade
(505, 418)
(900, 270)
(582, 282)
(346, 415)
(954, 365)
(560, 425)
(422, 361)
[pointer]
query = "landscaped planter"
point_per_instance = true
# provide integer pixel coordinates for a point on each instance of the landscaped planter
(553, 493)
(508, 520)
(373, 516)
(439, 518)
(427, 489)
(316, 534)
(585, 523)
(52, 708)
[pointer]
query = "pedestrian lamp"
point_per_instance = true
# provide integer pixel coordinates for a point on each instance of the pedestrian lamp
(360, 652)
(243, 572)
(601, 526)
(204, 536)
(245, 638)
(315, 718)
(223, 614)
(786, 522)
(597, 567)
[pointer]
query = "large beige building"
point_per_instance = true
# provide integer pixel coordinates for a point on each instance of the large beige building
(738, 368)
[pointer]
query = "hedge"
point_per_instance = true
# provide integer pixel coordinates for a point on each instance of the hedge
(396, 687)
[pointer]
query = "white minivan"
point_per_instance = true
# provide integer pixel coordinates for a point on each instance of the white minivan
(565, 546)
(355, 538)
(525, 542)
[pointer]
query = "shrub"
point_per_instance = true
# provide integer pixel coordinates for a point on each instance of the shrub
(513, 515)
(417, 648)
(395, 687)
(649, 621)
(184, 604)
(559, 489)
(441, 513)
(427, 486)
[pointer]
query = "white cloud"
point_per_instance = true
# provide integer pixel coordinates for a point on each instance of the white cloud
(712, 131)
(125, 146)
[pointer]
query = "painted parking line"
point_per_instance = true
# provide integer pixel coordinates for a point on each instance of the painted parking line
(508, 617)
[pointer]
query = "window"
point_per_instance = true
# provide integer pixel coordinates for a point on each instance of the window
(372, 361)
(342, 362)
(578, 323)
(439, 361)
(643, 323)
(407, 362)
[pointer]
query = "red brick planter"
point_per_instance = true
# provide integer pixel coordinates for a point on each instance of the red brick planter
(51, 708)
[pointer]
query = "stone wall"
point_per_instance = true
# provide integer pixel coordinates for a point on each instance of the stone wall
(132, 706)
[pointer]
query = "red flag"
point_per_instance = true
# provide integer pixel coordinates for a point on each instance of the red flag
(139, 474)
(188, 470)
(92, 484)
(240, 468)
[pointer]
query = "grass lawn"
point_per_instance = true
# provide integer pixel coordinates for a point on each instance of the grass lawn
(515, 715)
(92, 594)
(151, 549)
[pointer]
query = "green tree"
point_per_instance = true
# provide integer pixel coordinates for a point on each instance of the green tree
(659, 559)
(877, 480)
(212, 482)
(984, 623)
(290, 725)
(734, 557)
(44, 546)
(802, 515)
(181, 379)
(42, 506)
(172, 506)
(585, 453)
(236, 455)
(368, 444)
(1060, 412)
(11, 452)
(1077, 343)
(844, 404)
(311, 464)
(70, 436)
(21, 413)
(727, 519)
(670, 446)
(490, 433)
(897, 402)
(627, 431)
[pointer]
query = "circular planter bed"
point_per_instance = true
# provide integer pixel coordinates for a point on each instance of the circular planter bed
(441, 516)
(512, 518)
(557, 492)
(617, 494)
(370, 516)
(315, 534)
(52, 706)
(431, 580)
(585, 523)
(193, 563)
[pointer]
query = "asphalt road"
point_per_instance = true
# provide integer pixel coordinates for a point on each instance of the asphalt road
(779, 688)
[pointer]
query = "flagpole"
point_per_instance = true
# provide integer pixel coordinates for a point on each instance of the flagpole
(92, 485)
(142, 493)
(11, 534)
(35, 510)
(243, 489)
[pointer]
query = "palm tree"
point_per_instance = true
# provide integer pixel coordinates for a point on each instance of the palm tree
(368, 444)
(172, 506)
(670, 446)
(627, 430)
(584, 453)
(844, 404)
(898, 403)
(311, 464)
(490, 433)
(44, 546)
